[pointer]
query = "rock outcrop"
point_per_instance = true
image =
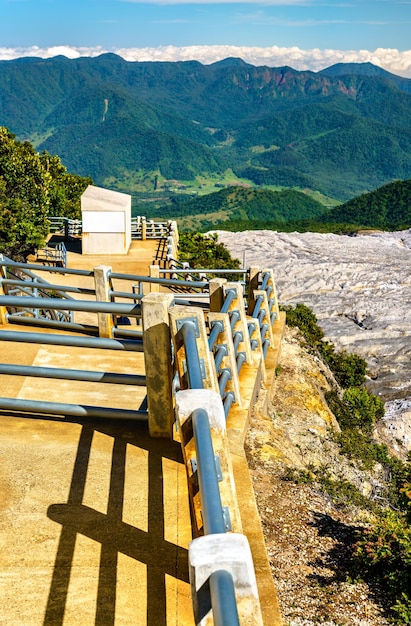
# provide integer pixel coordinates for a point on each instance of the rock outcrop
(360, 290)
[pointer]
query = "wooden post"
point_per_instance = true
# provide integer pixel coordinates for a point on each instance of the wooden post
(158, 363)
(154, 273)
(3, 309)
(217, 294)
(102, 284)
(253, 274)
(229, 361)
(178, 315)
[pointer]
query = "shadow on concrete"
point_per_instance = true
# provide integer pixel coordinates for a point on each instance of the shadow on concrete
(150, 548)
(73, 244)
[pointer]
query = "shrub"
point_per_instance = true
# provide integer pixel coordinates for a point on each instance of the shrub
(383, 552)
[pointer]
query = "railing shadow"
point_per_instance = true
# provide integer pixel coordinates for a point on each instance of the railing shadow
(150, 548)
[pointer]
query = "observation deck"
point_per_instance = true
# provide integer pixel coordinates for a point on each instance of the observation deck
(98, 506)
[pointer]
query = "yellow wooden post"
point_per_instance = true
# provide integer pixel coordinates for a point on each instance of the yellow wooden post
(178, 315)
(102, 284)
(158, 363)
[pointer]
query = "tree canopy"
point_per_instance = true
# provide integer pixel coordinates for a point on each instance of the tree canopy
(32, 187)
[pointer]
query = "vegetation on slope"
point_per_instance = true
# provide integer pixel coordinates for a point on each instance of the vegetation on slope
(383, 549)
(241, 205)
(387, 208)
(337, 134)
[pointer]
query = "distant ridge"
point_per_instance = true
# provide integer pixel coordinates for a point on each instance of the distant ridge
(367, 69)
(130, 125)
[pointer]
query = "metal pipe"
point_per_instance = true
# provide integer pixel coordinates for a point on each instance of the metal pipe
(193, 270)
(91, 306)
(223, 379)
(43, 286)
(160, 281)
(237, 339)
(219, 354)
(258, 302)
(223, 600)
(126, 294)
(241, 359)
(195, 379)
(211, 507)
(122, 333)
(234, 318)
(73, 410)
(44, 268)
(265, 280)
(75, 340)
(229, 399)
(68, 374)
(43, 322)
(231, 295)
(216, 329)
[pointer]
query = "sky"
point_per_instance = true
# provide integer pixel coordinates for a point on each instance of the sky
(304, 34)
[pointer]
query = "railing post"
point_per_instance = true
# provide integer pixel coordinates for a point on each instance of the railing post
(154, 273)
(179, 315)
(102, 287)
(228, 361)
(158, 363)
(271, 283)
(241, 325)
(143, 229)
(253, 275)
(3, 309)
(212, 554)
(216, 287)
(187, 402)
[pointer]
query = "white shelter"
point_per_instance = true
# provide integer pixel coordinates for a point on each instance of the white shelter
(106, 217)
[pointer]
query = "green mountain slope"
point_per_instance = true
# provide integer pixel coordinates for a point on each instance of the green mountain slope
(242, 205)
(388, 208)
(340, 132)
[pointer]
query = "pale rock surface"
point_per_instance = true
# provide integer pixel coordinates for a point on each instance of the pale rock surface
(360, 290)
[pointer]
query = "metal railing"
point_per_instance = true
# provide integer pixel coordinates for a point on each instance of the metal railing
(84, 342)
(222, 592)
(227, 336)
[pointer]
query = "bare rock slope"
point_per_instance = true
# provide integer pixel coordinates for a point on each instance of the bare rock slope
(360, 290)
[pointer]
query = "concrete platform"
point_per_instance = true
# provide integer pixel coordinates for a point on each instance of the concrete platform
(95, 522)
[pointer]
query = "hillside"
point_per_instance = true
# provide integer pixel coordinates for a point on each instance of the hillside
(387, 208)
(239, 204)
(133, 125)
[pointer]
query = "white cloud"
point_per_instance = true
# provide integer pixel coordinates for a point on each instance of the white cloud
(392, 60)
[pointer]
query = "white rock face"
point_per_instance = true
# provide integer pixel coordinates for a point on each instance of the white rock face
(360, 290)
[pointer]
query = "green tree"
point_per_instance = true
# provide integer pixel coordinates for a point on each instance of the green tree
(65, 189)
(24, 197)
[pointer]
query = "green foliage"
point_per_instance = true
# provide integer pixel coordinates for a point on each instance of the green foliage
(348, 369)
(104, 116)
(32, 187)
(388, 208)
(239, 203)
(384, 553)
(65, 189)
(24, 197)
(203, 251)
(365, 408)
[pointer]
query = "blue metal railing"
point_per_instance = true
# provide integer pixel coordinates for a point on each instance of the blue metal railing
(222, 592)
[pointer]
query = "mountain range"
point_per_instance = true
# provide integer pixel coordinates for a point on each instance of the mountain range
(131, 125)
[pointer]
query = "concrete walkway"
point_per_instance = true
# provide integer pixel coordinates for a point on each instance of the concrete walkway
(93, 513)
(95, 522)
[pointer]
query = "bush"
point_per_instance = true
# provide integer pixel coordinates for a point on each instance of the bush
(364, 407)
(384, 553)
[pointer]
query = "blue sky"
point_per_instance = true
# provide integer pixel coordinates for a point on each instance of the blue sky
(302, 33)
